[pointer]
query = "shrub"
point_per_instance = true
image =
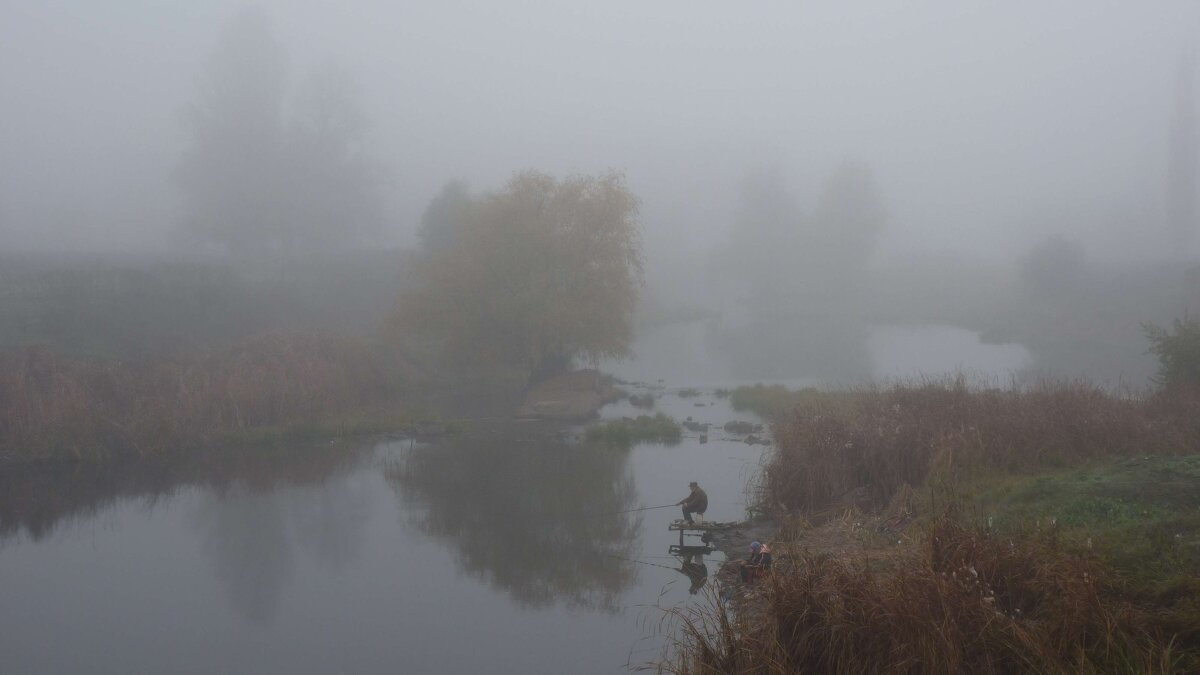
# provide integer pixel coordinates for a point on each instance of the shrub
(1178, 352)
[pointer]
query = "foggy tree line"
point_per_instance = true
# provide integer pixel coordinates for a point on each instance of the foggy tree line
(777, 249)
(276, 166)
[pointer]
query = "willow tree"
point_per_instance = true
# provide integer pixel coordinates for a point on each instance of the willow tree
(542, 272)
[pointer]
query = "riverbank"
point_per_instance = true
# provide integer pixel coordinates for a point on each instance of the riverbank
(935, 528)
(269, 388)
(574, 396)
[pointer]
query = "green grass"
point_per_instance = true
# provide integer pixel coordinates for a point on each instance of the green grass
(772, 401)
(1140, 515)
(626, 432)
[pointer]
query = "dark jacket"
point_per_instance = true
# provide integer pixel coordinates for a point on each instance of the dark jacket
(760, 559)
(697, 502)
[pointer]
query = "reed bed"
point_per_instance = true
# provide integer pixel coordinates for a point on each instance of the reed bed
(964, 602)
(872, 442)
(1105, 594)
(54, 407)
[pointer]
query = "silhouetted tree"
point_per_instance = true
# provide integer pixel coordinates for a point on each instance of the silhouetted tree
(261, 176)
(334, 195)
(544, 271)
(766, 237)
(230, 174)
(777, 251)
(847, 221)
(445, 217)
(1178, 352)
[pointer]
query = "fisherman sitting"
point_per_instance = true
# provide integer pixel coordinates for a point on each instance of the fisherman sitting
(758, 562)
(694, 504)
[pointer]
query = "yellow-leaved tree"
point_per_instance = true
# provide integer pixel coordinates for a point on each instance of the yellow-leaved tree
(539, 273)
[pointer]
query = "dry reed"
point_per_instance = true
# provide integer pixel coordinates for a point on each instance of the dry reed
(963, 602)
(874, 441)
(57, 407)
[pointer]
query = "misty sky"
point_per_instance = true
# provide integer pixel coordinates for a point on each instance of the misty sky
(989, 125)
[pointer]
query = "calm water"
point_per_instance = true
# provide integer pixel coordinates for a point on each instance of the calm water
(483, 554)
(486, 553)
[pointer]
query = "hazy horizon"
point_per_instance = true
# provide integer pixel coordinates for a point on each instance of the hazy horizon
(988, 127)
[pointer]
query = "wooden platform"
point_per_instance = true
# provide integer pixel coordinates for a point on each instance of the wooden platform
(681, 550)
(706, 526)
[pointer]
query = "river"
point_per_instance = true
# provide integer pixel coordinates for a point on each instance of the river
(499, 551)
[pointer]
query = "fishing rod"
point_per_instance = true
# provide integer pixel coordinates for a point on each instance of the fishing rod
(644, 508)
(642, 562)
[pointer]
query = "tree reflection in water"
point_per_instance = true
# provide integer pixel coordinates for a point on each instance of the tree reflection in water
(254, 509)
(532, 514)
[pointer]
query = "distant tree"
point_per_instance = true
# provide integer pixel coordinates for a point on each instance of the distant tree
(1178, 351)
(334, 186)
(445, 217)
(847, 221)
(260, 175)
(779, 251)
(230, 174)
(1055, 266)
(544, 271)
(766, 235)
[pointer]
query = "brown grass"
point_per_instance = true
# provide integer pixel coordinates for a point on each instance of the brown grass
(956, 597)
(962, 602)
(867, 445)
(57, 407)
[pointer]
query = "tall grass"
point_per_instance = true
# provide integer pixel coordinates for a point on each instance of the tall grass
(54, 407)
(873, 441)
(965, 602)
(960, 596)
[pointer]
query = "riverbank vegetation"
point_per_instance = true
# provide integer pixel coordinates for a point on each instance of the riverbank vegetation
(135, 362)
(262, 389)
(934, 527)
(627, 431)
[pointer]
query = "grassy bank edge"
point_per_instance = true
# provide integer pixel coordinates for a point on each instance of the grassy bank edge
(1142, 555)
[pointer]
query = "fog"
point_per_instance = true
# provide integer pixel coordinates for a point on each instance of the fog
(336, 335)
(986, 129)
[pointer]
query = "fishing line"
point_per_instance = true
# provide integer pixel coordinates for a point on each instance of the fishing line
(642, 562)
(644, 508)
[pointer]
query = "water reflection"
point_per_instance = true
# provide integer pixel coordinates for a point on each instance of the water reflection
(246, 540)
(34, 499)
(251, 535)
(691, 565)
(253, 510)
(532, 514)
